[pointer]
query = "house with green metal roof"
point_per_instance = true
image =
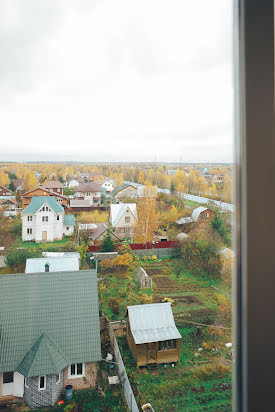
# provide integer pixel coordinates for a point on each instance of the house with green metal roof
(49, 334)
(44, 220)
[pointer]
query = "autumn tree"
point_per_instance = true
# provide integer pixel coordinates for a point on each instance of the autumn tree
(29, 181)
(93, 217)
(4, 178)
(147, 216)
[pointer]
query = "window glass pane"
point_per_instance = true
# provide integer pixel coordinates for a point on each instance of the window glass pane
(42, 382)
(8, 377)
(73, 369)
(79, 369)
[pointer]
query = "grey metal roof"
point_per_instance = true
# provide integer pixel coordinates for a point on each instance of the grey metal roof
(196, 212)
(152, 323)
(184, 220)
(56, 264)
(81, 203)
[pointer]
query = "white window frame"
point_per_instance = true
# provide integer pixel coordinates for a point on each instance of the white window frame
(57, 217)
(76, 376)
(29, 231)
(45, 382)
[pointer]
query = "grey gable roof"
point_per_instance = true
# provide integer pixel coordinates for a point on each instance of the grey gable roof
(44, 316)
(152, 323)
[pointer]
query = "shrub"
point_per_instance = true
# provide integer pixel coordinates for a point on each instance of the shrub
(16, 258)
(123, 248)
(120, 262)
(114, 305)
(17, 227)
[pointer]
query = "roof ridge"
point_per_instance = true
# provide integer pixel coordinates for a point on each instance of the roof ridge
(36, 342)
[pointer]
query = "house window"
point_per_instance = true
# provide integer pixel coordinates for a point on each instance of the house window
(57, 217)
(167, 345)
(47, 267)
(76, 370)
(29, 231)
(29, 218)
(43, 208)
(127, 219)
(47, 208)
(42, 383)
(88, 194)
(36, 193)
(45, 219)
(57, 378)
(67, 228)
(7, 377)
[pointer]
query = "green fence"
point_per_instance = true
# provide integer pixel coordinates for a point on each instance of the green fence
(159, 253)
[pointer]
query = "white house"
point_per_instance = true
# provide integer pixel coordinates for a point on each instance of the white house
(44, 220)
(123, 218)
(108, 186)
(72, 183)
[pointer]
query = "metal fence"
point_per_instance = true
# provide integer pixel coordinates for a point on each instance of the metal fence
(203, 200)
(126, 387)
(159, 253)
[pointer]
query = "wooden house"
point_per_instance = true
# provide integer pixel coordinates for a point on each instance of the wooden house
(202, 213)
(42, 191)
(152, 335)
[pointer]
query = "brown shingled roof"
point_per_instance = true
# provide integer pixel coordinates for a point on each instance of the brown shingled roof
(52, 184)
(88, 187)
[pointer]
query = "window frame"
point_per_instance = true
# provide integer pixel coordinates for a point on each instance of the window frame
(3, 378)
(253, 295)
(76, 376)
(58, 379)
(45, 382)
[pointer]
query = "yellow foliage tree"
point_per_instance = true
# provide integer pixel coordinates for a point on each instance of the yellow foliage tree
(148, 217)
(93, 217)
(29, 181)
(4, 178)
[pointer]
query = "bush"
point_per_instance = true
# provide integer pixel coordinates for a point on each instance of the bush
(17, 227)
(16, 258)
(114, 305)
(121, 262)
(123, 248)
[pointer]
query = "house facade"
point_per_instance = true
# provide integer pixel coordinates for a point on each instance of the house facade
(54, 186)
(9, 206)
(96, 232)
(89, 191)
(41, 191)
(44, 220)
(46, 343)
(5, 193)
(123, 218)
(108, 186)
(152, 335)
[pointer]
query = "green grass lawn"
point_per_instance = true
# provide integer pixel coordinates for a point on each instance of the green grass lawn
(195, 384)
(200, 382)
(19, 243)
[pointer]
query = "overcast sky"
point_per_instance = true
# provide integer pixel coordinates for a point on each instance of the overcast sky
(116, 80)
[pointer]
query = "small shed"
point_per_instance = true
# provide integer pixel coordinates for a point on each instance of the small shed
(102, 256)
(142, 279)
(202, 213)
(152, 335)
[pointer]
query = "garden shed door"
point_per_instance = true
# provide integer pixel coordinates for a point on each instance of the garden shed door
(151, 352)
